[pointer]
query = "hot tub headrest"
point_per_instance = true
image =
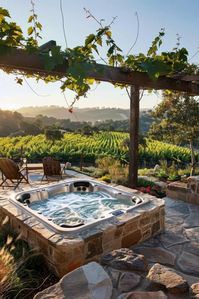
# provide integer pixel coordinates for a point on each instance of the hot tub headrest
(24, 197)
(81, 186)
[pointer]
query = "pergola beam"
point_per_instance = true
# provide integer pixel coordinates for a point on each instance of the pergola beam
(34, 63)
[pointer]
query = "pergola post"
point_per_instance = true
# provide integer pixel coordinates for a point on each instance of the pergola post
(134, 136)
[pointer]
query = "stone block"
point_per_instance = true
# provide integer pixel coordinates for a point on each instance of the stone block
(155, 227)
(177, 191)
(119, 231)
(145, 220)
(195, 289)
(88, 282)
(125, 259)
(167, 278)
(112, 244)
(130, 226)
(155, 216)
(43, 231)
(93, 246)
(146, 234)
(131, 238)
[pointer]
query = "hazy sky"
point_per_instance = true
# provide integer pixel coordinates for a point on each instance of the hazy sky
(176, 16)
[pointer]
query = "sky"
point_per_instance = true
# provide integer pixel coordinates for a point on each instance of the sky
(176, 16)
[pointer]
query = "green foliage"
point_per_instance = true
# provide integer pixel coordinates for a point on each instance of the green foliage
(147, 186)
(53, 134)
(165, 172)
(177, 120)
(145, 183)
(105, 163)
(113, 170)
(106, 178)
(14, 124)
(22, 270)
(145, 172)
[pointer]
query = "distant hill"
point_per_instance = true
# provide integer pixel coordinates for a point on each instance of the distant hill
(13, 123)
(83, 114)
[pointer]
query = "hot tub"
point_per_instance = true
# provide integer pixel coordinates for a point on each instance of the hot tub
(76, 221)
(74, 205)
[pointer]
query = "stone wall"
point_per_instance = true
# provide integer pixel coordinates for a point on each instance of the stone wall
(177, 190)
(187, 192)
(66, 253)
(193, 189)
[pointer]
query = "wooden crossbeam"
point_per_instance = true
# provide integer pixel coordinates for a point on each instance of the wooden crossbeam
(34, 63)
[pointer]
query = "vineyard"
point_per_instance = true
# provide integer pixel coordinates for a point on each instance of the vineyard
(73, 146)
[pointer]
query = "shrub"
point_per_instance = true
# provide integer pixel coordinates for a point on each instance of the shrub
(104, 164)
(22, 270)
(113, 168)
(106, 178)
(150, 187)
(146, 171)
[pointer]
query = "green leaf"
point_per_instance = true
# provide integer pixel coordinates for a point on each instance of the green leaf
(95, 48)
(156, 68)
(111, 50)
(39, 25)
(30, 30)
(57, 55)
(99, 41)
(109, 33)
(4, 12)
(30, 19)
(90, 38)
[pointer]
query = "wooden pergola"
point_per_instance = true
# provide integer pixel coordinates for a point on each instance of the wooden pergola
(34, 64)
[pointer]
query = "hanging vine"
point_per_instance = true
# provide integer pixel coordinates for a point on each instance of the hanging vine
(82, 58)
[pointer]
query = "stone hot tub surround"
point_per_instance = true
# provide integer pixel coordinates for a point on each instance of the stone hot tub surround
(65, 251)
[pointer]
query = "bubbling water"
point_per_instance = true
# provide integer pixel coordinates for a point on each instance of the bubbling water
(75, 208)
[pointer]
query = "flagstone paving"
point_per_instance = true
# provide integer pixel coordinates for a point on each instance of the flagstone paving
(178, 246)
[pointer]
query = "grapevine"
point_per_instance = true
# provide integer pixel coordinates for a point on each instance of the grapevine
(82, 58)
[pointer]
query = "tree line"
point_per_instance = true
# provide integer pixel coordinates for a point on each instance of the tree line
(15, 124)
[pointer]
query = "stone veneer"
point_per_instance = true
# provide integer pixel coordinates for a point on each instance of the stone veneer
(65, 253)
(193, 189)
(187, 192)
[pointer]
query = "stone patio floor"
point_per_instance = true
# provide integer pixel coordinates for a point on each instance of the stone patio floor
(178, 246)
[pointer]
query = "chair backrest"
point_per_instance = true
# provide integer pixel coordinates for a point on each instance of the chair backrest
(9, 169)
(51, 166)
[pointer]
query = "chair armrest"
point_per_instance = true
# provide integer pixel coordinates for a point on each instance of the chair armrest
(23, 168)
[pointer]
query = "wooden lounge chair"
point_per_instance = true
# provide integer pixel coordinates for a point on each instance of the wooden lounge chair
(52, 168)
(11, 172)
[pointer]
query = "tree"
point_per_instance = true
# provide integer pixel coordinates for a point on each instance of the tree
(87, 130)
(177, 121)
(53, 134)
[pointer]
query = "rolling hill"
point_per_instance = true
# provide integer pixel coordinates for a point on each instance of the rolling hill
(83, 114)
